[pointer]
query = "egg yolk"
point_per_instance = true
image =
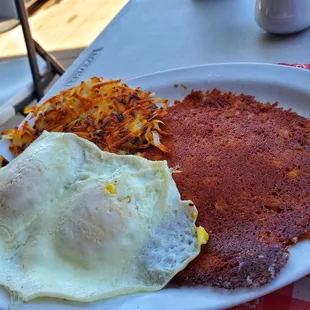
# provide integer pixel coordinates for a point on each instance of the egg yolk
(194, 215)
(111, 188)
(202, 236)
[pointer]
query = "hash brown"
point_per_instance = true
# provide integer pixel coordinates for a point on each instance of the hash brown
(115, 117)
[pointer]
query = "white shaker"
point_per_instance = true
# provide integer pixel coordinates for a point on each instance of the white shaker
(282, 16)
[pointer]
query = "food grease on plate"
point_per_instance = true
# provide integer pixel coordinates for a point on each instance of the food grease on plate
(82, 224)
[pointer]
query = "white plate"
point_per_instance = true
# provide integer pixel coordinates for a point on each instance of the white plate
(289, 86)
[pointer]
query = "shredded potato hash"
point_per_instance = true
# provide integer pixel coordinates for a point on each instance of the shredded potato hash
(115, 117)
(3, 161)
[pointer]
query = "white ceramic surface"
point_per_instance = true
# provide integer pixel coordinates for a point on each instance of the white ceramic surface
(289, 86)
(283, 16)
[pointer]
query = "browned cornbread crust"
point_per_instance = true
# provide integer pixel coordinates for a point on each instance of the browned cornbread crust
(246, 166)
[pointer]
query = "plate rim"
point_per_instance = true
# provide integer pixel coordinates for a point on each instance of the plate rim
(220, 64)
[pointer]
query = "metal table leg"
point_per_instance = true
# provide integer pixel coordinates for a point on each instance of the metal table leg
(49, 58)
(34, 47)
(23, 17)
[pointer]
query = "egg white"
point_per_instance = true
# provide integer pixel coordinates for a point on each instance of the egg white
(82, 224)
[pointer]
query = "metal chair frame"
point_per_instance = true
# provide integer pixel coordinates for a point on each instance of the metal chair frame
(34, 48)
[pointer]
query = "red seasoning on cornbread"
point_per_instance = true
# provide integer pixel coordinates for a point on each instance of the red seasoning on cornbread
(246, 166)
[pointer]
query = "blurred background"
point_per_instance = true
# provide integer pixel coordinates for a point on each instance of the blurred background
(62, 27)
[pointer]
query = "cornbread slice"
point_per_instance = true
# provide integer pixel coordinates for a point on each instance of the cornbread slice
(246, 166)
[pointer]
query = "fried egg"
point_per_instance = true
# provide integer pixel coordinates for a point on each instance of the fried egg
(82, 224)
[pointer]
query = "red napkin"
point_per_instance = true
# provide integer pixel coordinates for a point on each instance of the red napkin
(295, 296)
(302, 66)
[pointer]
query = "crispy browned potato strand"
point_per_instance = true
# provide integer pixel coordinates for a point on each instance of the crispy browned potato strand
(115, 117)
